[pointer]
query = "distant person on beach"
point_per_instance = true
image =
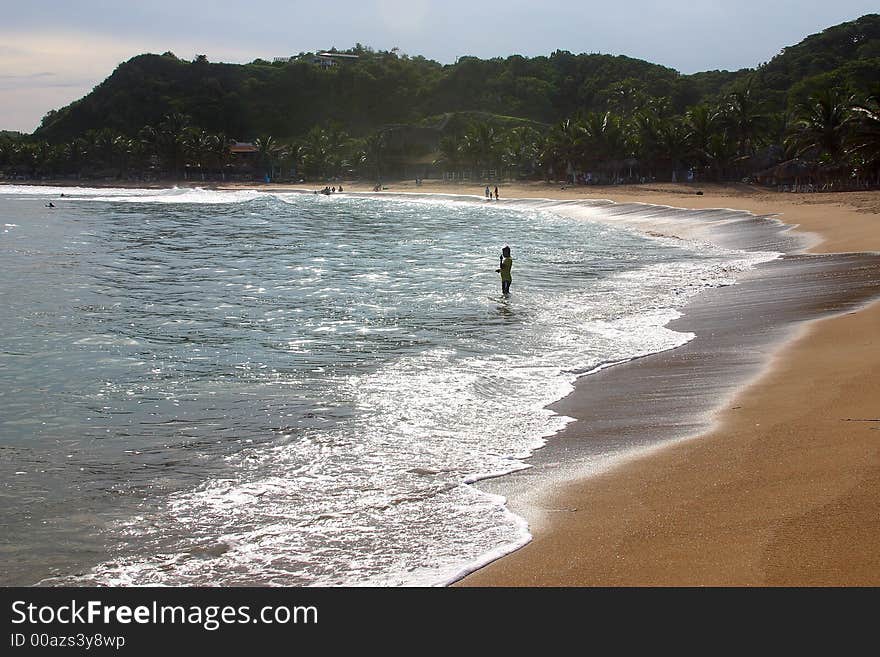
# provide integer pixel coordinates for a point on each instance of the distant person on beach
(504, 269)
(488, 193)
(496, 192)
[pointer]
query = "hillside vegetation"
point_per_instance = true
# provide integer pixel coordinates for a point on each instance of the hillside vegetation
(561, 115)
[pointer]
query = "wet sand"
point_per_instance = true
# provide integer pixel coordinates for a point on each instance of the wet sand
(784, 492)
(768, 469)
(780, 489)
(770, 473)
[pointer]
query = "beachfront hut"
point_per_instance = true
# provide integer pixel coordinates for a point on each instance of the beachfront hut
(245, 156)
(791, 175)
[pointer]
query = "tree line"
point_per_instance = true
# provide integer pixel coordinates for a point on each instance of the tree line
(812, 109)
(832, 138)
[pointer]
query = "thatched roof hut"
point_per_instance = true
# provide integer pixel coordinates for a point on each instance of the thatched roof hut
(791, 171)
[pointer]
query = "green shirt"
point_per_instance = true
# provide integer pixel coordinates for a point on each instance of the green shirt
(506, 264)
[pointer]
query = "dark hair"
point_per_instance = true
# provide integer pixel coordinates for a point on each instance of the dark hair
(505, 251)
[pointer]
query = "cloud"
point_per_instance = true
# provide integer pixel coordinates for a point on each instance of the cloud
(403, 17)
(27, 76)
(65, 55)
(42, 70)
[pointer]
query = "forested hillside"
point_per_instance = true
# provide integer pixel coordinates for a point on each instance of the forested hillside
(286, 99)
(561, 115)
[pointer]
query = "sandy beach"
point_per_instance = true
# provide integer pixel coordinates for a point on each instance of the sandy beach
(781, 492)
(780, 487)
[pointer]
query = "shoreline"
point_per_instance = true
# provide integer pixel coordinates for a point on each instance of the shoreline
(781, 492)
(659, 404)
(618, 528)
(679, 515)
(794, 516)
(840, 220)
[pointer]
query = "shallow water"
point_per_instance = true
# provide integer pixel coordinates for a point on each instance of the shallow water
(209, 387)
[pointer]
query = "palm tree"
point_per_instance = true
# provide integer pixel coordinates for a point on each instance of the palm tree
(7, 148)
(75, 153)
(720, 153)
(103, 147)
(865, 139)
(604, 144)
(372, 152)
(563, 147)
(672, 139)
(123, 151)
(450, 151)
(481, 144)
(291, 156)
(46, 158)
(267, 149)
(823, 124)
(148, 147)
(520, 149)
(742, 114)
(197, 148)
(337, 144)
(169, 141)
(780, 146)
(822, 129)
(701, 123)
(218, 152)
(316, 156)
(592, 143)
(23, 158)
(646, 139)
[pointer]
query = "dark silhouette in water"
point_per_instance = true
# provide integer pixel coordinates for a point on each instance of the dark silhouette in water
(504, 266)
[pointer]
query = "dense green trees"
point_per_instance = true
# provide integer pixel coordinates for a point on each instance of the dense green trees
(830, 136)
(834, 137)
(287, 99)
(866, 138)
(578, 117)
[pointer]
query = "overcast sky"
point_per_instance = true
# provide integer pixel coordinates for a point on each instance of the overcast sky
(53, 52)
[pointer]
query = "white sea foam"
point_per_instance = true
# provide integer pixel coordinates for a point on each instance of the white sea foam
(75, 191)
(182, 195)
(189, 196)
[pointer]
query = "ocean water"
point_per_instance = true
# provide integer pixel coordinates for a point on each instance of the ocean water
(204, 387)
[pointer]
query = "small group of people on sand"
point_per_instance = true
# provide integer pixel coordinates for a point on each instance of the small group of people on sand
(489, 193)
(329, 190)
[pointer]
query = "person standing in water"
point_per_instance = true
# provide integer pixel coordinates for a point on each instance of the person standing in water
(504, 269)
